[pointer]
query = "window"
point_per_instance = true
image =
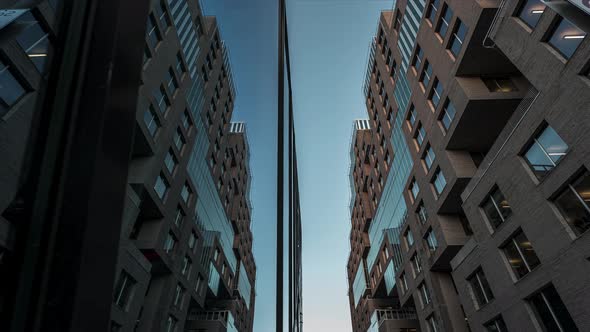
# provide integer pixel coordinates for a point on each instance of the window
(436, 93)
(124, 290)
(448, 114)
(171, 81)
(521, 255)
(458, 37)
(33, 40)
(530, 12)
(416, 266)
(151, 120)
(499, 84)
(574, 203)
(496, 325)
(404, 282)
(11, 90)
(409, 238)
(418, 57)
(444, 21)
(545, 152)
(439, 181)
(412, 116)
(192, 241)
(414, 189)
(424, 294)
(170, 242)
(179, 218)
(431, 241)
(480, 289)
(186, 120)
(426, 74)
(186, 193)
(170, 161)
(161, 99)
(422, 213)
(428, 157)
(115, 327)
(179, 139)
(154, 36)
(496, 208)
(180, 68)
(398, 21)
(550, 312)
(566, 37)
(161, 186)
(432, 324)
(186, 266)
(204, 74)
(171, 324)
(432, 9)
(420, 134)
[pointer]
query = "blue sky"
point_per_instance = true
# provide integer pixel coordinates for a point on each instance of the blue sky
(329, 42)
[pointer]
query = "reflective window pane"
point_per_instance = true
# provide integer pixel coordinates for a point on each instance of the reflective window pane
(530, 12)
(574, 204)
(566, 38)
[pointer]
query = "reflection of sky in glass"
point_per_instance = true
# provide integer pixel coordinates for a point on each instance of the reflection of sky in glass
(531, 12)
(566, 38)
(553, 144)
(538, 159)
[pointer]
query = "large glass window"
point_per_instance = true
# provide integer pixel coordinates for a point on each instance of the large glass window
(545, 152)
(566, 37)
(480, 288)
(34, 40)
(550, 312)
(496, 325)
(521, 255)
(432, 9)
(458, 37)
(439, 181)
(11, 90)
(448, 114)
(496, 208)
(161, 186)
(124, 290)
(445, 19)
(530, 12)
(574, 203)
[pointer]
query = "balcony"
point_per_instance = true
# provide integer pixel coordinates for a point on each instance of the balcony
(393, 320)
(211, 321)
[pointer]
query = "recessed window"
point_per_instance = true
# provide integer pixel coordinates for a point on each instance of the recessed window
(444, 21)
(496, 325)
(428, 156)
(458, 37)
(566, 37)
(496, 208)
(447, 114)
(550, 312)
(171, 323)
(170, 243)
(170, 161)
(151, 120)
(34, 40)
(424, 294)
(480, 288)
(432, 324)
(436, 93)
(162, 13)
(398, 20)
(180, 68)
(530, 12)
(11, 90)
(521, 255)
(499, 84)
(426, 74)
(179, 140)
(574, 203)
(186, 266)
(186, 193)
(178, 296)
(422, 213)
(432, 9)
(545, 152)
(439, 181)
(179, 218)
(161, 99)
(171, 81)
(431, 241)
(154, 36)
(409, 239)
(414, 189)
(420, 134)
(204, 74)
(412, 116)
(418, 57)
(161, 186)
(192, 241)
(124, 290)
(416, 266)
(186, 120)
(404, 282)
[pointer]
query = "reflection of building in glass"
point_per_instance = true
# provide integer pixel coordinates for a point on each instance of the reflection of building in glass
(467, 163)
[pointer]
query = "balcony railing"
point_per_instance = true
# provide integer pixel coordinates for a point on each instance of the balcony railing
(487, 40)
(381, 315)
